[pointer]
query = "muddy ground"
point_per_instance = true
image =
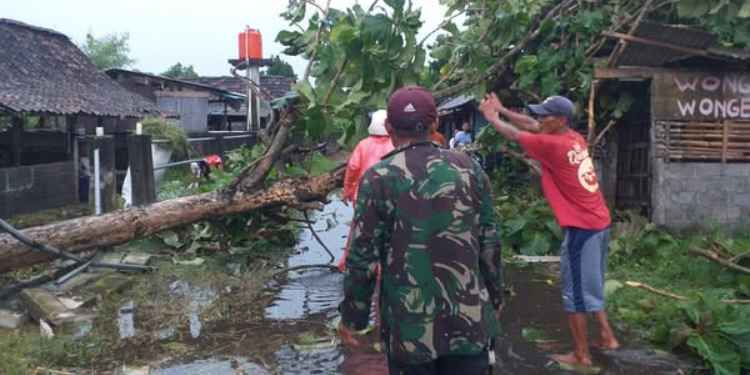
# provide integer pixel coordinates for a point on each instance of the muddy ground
(202, 320)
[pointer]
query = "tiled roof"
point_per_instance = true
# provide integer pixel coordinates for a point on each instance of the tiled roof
(42, 71)
(272, 86)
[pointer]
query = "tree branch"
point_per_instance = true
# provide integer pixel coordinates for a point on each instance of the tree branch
(633, 28)
(710, 255)
(442, 24)
(317, 238)
(314, 54)
(603, 132)
(664, 293)
(502, 64)
(335, 81)
(315, 4)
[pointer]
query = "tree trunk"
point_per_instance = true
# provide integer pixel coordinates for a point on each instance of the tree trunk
(119, 227)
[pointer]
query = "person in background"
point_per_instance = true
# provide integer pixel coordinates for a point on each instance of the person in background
(424, 216)
(571, 187)
(463, 137)
(367, 153)
(437, 137)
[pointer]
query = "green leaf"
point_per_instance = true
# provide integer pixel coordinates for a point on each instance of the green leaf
(320, 164)
(717, 352)
(375, 28)
(745, 10)
(514, 226)
(315, 123)
(344, 34)
(539, 245)
(295, 171)
(612, 286)
(693, 8)
(306, 90)
(397, 5)
(171, 239)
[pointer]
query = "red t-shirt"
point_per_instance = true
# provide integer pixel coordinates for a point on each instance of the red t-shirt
(569, 180)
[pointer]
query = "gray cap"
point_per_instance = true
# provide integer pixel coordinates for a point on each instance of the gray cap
(554, 106)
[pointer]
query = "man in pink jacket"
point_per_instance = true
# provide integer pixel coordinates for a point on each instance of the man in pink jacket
(368, 152)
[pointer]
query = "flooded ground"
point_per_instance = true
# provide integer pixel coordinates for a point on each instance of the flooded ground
(289, 326)
(298, 324)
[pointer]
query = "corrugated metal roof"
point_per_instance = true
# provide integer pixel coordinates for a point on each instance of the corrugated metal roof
(455, 102)
(640, 54)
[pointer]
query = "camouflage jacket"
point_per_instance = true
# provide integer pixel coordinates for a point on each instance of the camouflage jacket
(425, 215)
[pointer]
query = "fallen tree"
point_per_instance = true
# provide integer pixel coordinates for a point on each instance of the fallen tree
(119, 227)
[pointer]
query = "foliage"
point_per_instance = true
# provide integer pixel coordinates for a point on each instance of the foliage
(279, 67)
(634, 239)
(239, 238)
(730, 19)
(110, 51)
(527, 224)
(561, 58)
(716, 331)
(179, 71)
(159, 128)
(358, 58)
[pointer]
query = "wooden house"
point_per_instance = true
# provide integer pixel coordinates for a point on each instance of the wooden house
(681, 153)
(50, 93)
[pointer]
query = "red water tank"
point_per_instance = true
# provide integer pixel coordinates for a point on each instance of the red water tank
(251, 44)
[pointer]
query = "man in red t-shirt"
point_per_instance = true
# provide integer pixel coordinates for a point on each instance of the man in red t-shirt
(571, 187)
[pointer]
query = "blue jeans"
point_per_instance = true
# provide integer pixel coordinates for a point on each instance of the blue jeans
(583, 263)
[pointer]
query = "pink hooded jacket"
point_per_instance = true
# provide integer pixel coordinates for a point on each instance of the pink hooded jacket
(368, 152)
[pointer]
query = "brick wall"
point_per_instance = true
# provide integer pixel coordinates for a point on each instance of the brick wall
(37, 187)
(687, 195)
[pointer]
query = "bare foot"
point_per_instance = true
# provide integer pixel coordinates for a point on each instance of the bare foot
(572, 359)
(606, 344)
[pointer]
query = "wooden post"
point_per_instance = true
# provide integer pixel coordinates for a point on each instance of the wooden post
(16, 140)
(106, 146)
(220, 147)
(725, 142)
(141, 170)
(592, 119)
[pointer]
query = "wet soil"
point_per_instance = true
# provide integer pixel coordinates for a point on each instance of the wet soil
(296, 335)
(288, 327)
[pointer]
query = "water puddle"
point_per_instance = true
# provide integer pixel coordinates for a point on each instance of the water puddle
(297, 335)
(226, 366)
(317, 291)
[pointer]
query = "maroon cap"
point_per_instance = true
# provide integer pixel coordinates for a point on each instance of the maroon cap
(412, 108)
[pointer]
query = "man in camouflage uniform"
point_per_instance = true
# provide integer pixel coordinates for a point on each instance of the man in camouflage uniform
(425, 214)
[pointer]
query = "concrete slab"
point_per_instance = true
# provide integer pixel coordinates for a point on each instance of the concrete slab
(112, 257)
(79, 281)
(43, 305)
(106, 285)
(78, 325)
(127, 370)
(11, 319)
(138, 259)
(537, 259)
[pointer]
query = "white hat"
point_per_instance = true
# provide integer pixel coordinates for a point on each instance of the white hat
(377, 125)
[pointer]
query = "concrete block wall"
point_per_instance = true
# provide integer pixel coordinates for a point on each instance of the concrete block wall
(37, 187)
(690, 195)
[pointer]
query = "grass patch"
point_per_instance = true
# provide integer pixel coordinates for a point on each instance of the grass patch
(22, 353)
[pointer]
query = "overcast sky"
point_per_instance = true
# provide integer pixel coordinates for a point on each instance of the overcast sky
(163, 32)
